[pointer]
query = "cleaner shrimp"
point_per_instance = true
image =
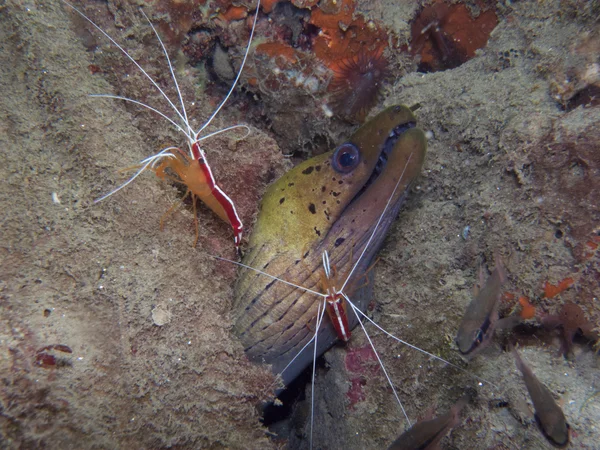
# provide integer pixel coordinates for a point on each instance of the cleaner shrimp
(172, 163)
(334, 300)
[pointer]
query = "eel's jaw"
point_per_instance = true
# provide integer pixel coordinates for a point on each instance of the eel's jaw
(386, 149)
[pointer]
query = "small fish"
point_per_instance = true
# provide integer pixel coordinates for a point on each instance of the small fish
(427, 434)
(479, 322)
(548, 414)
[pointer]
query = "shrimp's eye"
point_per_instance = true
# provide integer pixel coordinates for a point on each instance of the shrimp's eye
(345, 158)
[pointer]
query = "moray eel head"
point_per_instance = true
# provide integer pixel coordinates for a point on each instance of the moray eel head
(337, 202)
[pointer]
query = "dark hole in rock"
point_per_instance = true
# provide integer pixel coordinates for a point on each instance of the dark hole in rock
(444, 35)
(279, 419)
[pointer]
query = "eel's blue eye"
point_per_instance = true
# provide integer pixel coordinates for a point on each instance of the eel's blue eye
(345, 158)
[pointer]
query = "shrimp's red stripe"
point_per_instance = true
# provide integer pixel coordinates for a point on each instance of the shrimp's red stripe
(336, 309)
(219, 195)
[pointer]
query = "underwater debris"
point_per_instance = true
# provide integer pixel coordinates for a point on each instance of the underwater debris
(465, 232)
(444, 36)
(549, 415)
(284, 71)
(47, 360)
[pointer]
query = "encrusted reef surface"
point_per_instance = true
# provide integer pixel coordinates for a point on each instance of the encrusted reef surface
(115, 334)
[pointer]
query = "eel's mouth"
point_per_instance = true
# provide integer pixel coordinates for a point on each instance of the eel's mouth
(386, 149)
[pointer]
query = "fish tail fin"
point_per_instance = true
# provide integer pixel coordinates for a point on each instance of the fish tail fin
(518, 361)
(500, 268)
(458, 407)
(462, 402)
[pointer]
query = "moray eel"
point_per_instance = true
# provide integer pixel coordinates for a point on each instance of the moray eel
(330, 202)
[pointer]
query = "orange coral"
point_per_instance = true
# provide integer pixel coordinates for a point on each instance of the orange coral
(234, 13)
(331, 15)
(551, 290)
(268, 5)
(528, 310)
(590, 248)
(592, 245)
(508, 297)
(341, 35)
(277, 50)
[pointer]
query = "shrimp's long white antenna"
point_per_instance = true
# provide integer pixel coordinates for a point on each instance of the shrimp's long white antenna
(223, 130)
(355, 309)
(308, 343)
(151, 160)
(185, 117)
(165, 96)
(137, 102)
(326, 266)
(239, 74)
(145, 164)
(267, 275)
(312, 389)
(387, 205)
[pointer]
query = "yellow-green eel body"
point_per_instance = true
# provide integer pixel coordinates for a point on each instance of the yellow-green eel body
(332, 202)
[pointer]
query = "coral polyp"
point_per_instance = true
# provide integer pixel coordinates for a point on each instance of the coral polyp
(357, 83)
